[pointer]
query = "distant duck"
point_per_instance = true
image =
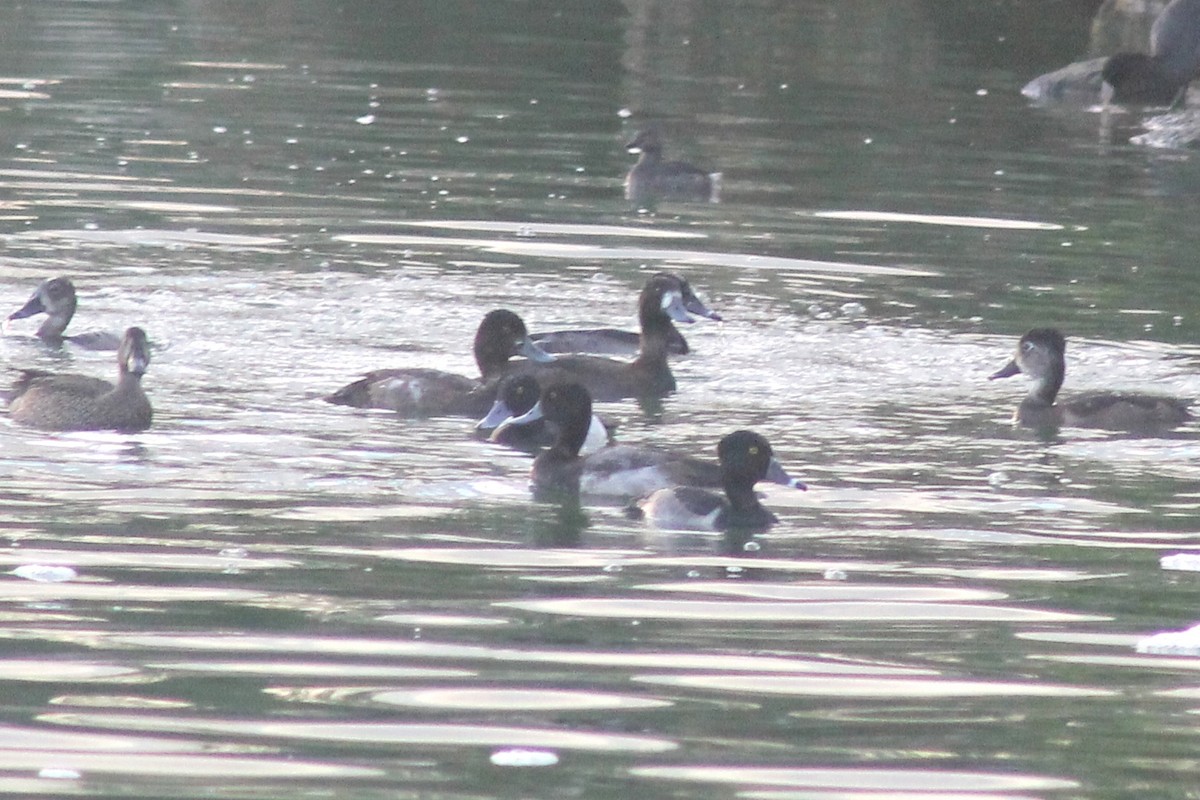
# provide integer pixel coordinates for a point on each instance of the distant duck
(745, 458)
(648, 375)
(653, 179)
(1159, 78)
(68, 402)
(418, 392)
(1041, 355)
(611, 341)
(1162, 77)
(618, 471)
(518, 394)
(55, 297)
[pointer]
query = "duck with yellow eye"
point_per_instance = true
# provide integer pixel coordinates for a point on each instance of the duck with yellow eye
(745, 458)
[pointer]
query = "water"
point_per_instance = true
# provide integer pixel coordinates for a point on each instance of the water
(276, 596)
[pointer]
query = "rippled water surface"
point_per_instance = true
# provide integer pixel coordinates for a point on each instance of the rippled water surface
(272, 596)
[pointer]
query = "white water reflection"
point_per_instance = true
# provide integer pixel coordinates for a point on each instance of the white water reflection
(941, 219)
(850, 687)
(379, 733)
(863, 779)
(832, 269)
(767, 611)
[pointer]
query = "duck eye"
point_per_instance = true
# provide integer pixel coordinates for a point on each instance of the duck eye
(753, 450)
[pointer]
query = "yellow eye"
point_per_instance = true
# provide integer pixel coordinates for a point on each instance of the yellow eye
(753, 450)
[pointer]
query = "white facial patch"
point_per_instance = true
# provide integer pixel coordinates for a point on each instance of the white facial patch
(671, 297)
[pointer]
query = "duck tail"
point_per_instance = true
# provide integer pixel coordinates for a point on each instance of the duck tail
(715, 178)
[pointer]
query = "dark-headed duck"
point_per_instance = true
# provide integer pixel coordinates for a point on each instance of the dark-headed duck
(517, 395)
(1161, 77)
(418, 392)
(646, 376)
(1041, 354)
(745, 458)
(619, 471)
(82, 403)
(611, 341)
(653, 179)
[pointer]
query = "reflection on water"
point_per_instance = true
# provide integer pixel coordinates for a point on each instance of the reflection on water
(268, 593)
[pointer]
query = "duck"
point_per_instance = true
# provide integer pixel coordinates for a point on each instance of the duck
(648, 375)
(1041, 355)
(419, 392)
(745, 458)
(612, 341)
(55, 297)
(1161, 77)
(517, 394)
(69, 402)
(616, 471)
(1157, 78)
(651, 179)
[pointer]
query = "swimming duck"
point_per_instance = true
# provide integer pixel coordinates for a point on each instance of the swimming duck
(517, 395)
(616, 471)
(55, 297)
(1041, 355)
(745, 459)
(611, 341)
(653, 179)
(648, 375)
(418, 392)
(81, 403)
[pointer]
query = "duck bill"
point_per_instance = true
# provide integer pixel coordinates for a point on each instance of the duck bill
(528, 348)
(532, 415)
(137, 364)
(33, 306)
(1007, 371)
(777, 474)
(498, 413)
(673, 305)
(696, 306)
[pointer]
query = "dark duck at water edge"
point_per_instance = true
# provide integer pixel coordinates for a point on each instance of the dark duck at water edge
(1157, 78)
(1041, 354)
(648, 375)
(68, 402)
(612, 341)
(745, 458)
(652, 179)
(419, 392)
(1161, 77)
(55, 297)
(618, 471)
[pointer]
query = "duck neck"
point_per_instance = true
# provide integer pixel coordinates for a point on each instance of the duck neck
(1045, 390)
(54, 326)
(742, 499)
(572, 433)
(655, 338)
(650, 156)
(128, 382)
